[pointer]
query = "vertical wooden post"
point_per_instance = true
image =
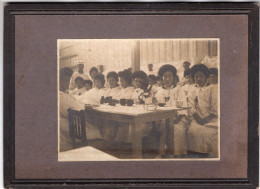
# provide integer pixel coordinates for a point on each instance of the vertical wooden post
(135, 59)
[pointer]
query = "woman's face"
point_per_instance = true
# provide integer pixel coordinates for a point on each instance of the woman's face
(168, 79)
(98, 84)
(93, 74)
(123, 83)
(138, 82)
(213, 79)
(200, 78)
(79, 84)
(112, 82)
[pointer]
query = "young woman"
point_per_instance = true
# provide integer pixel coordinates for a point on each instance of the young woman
(93, 96)
(169, 92)
(80, 89)
(125, 78)
(141, 83)
(213, 77)
(114, 89)
(66, 101)
(204, 103)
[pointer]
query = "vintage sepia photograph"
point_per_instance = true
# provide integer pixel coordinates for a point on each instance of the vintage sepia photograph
(138, 99)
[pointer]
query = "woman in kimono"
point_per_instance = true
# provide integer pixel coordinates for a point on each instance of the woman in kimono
(204, 109)
(114, 89)
(93, 96)
(141, 82)
(125, 78)
(66, 101)
(80, 89)
(168, 94)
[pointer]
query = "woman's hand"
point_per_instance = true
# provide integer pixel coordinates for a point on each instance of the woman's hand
(198, 119)
(208, 118)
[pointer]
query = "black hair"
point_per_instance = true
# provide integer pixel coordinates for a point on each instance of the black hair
(165, 68)
(143, 76)
(127, 75)
(187, 72)
(101, 78)
(88, 82)
(112, 74)
(79, 79)
(92, 70)
(65, 72)
(213, 71)
(158, 78)
(186, 62)
(152, 77)
(199, 67)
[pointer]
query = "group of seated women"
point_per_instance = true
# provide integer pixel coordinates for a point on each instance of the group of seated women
(198, 90)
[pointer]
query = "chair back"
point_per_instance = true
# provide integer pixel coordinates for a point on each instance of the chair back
(77, 127)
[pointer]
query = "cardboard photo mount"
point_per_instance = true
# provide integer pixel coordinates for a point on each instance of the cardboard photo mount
(31, 31)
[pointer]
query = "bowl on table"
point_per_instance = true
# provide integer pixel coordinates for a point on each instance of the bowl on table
(122, 102)
(129, 102)
(161, 104)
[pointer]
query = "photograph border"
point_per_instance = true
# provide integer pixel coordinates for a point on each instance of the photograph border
(250, 9)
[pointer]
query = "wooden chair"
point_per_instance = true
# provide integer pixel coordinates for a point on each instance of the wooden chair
(77, 128)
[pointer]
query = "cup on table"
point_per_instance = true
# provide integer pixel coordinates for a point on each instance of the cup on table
(108, 99)
(179, 103)
(122, 101)
(129, 102)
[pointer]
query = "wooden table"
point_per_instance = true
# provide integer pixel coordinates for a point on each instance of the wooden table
(136, 116)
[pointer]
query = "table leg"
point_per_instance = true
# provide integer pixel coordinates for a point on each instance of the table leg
(169, 132)
(137, 140)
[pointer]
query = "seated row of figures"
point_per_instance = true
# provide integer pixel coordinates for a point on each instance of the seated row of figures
(198, 89)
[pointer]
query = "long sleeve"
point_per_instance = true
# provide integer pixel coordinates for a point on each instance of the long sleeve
(67, 101)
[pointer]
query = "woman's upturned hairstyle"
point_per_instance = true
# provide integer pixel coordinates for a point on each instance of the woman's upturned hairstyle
(165, 68)
(65, 72)
(152, 77)
(213, 71)
(112, 74)
(127, 75)
(101, 78)
(199, 67)
(92, 70)
(79, 79)
(143, 76)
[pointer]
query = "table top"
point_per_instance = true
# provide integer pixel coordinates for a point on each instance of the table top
(135, 110)
(86, 153)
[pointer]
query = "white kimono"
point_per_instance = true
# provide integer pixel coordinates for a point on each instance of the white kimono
(168, 96)
(204, 101)
(127, 93)
(114, 92)
(92, 96)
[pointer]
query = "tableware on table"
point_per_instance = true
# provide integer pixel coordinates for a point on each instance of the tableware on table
(129, 102)
(122, 102)
(108, 99)
(161, 104)
(102, 100)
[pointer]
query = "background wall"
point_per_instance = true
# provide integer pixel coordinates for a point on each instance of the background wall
(119, 54)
